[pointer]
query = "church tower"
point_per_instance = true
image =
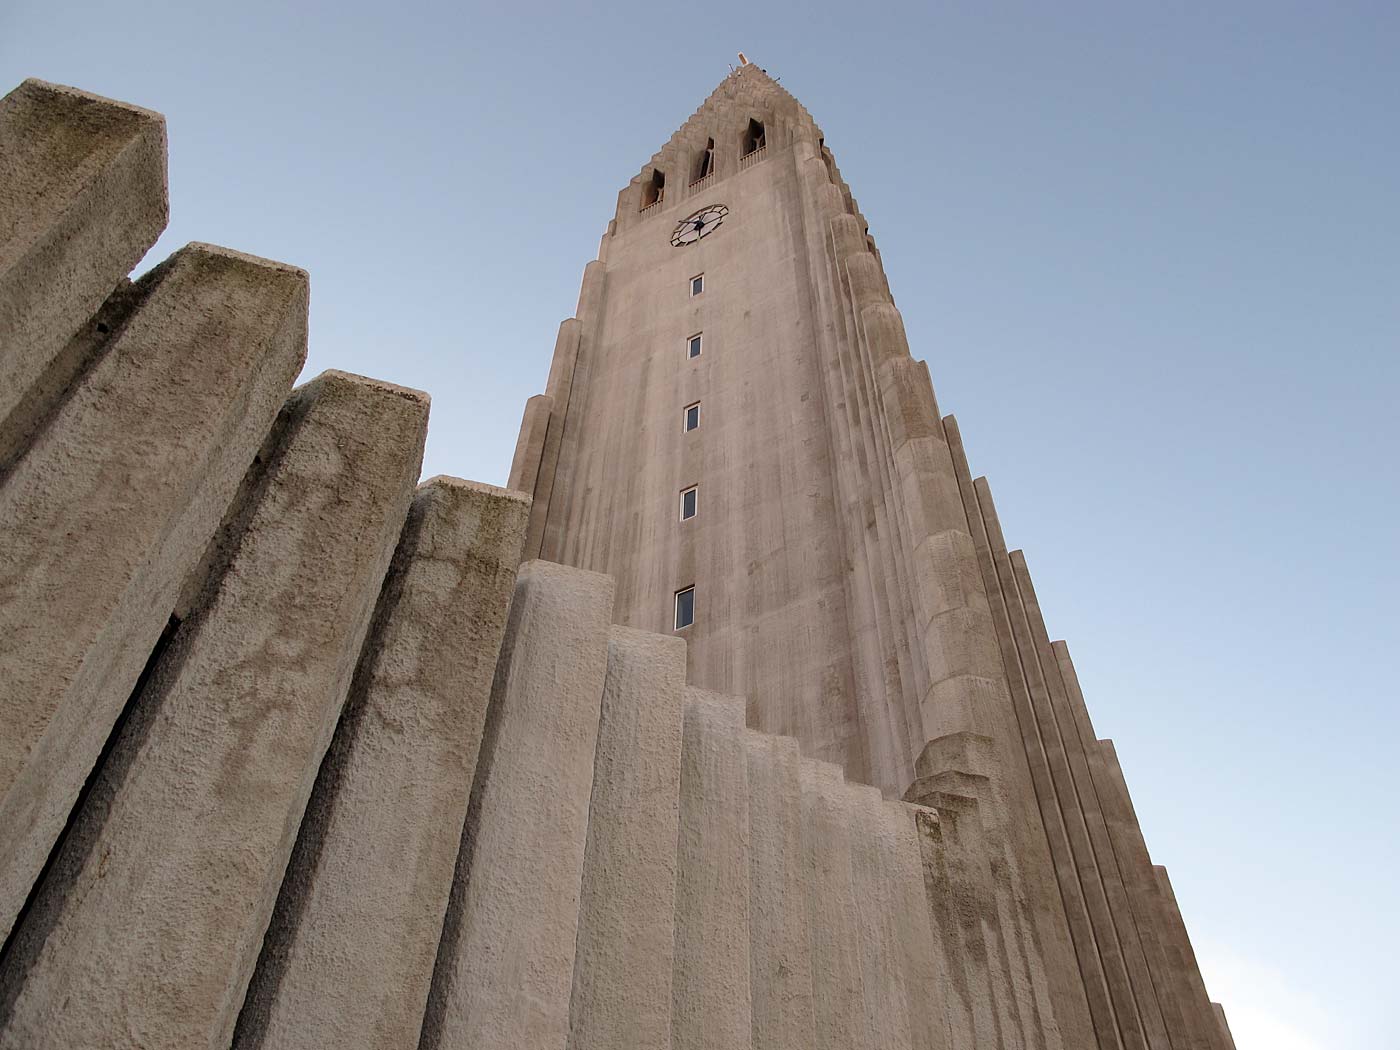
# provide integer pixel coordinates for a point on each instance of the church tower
(734, 429)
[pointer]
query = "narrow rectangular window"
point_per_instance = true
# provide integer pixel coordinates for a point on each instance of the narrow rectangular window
(697, 285)
(685, 608)
(693, 345)
(688, 502)
(692, 416)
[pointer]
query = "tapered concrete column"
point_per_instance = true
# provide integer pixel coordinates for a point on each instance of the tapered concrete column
(711, 1007)
(506, 963)
(529, 446)
(82, 198)
(1083, 1010)
(838, 993)
(1186, 1030)
(558, 390)
(622, 972)
(109, 510)
(1226, 1036)
(779, 944)
(1179, 947)
(148, 923)
(1101, 861)
(349, 954)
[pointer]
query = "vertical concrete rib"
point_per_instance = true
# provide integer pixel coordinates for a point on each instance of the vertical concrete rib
(780, 967)
(1102, 862)
(1101, 937)
(711, 1006)
(838, 995)
(148, 924)
(348, 957)
(1066, 939)
(921, 960)
(1179, 947)
(505, 966)
(622, 968)
(1135, 867)
(529, 446)
(82, 198)
(109, 510)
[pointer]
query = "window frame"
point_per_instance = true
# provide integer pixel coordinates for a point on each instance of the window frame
(693, 491)
(686, 428)
(701, 278)
(694, 346)
(676, 609)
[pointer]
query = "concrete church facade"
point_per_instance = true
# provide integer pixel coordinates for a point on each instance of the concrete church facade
(743, 729)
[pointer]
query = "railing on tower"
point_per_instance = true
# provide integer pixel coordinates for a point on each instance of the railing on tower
(752, 158)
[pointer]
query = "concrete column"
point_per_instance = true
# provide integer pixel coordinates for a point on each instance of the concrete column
(779, 945)
(1083, 1011)
(110, 509)
(1229, 1039)
(1134, 864)
(529, 446)
(82, 198)
(879, 923)
(1179, 946)
(711, 1007)
(622, 971)
(505, 966)
(559, 390)
(922, 959)
(1102, 862)
(349, 954)
(838, 993)
(149, 921)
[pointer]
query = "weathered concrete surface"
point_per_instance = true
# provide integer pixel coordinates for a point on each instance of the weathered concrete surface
(838, 996)
(349, 954)
(779, 943)
(109, 510)
(1229, 1039)
(146, 930)
(82, 198)
(878, 942)
(622, 971)
(922, 968)
(711, 1007)
(505, 966)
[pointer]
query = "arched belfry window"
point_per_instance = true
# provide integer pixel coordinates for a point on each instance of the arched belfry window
(705, 165)
(654, 189)
(753, 138)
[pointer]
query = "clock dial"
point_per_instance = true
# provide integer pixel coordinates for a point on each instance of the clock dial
(701, 224)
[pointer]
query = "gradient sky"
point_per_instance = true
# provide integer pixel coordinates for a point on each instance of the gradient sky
(1150, 253)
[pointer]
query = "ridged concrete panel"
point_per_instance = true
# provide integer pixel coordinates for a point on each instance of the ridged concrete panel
(82, 198)
(626, 937)
(146, 928)
(109, 510)
(711, 1008)
(779, 942)
(505, 967)
(348, 957)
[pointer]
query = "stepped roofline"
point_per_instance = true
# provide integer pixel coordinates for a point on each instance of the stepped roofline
(748, 93)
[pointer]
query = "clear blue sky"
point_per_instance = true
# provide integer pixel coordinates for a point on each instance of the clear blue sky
(1150, 252)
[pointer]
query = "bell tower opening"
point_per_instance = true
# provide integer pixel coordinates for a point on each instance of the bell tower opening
(654, 189)
(705, 165)
(753, 138)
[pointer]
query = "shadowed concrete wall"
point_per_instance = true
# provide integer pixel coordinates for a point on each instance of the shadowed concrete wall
(293, 756)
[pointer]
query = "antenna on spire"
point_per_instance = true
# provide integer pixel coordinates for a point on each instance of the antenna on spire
(743, 61)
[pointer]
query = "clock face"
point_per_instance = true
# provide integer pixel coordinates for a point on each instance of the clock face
(690, 230)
